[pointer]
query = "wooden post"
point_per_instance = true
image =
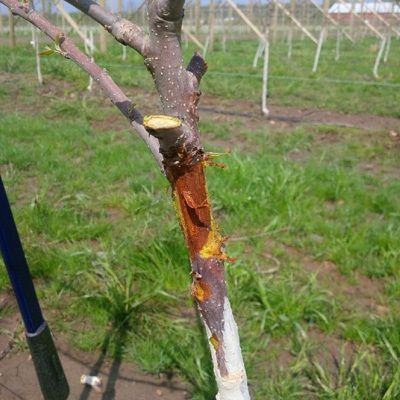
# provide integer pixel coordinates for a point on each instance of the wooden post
(63, 17)
(352, 19)
(245, 19)
(74, 25)
(264, 108)
(251, 10)
(322, 36)
(319, 47)
(197, 10)
(35, 43)
(326, 15)
(337, 51)
(297, 22)
(211, 25)
(333, 22)
(222, 23)
(193, 39)
(306, 23)
(303, 15)
(380, 18)
(366, 22)
(275, 22)
(11, 28)
(291, 27)
(103, 33)
(230, 17)
(390, 10)
(388, 42)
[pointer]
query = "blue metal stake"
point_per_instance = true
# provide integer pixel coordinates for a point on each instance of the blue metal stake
(48, 367)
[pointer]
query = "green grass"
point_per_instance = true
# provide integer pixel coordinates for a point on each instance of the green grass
(231, 73)
(109, 260)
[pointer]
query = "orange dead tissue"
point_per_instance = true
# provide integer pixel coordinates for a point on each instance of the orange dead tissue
(214, 341)
(201, 291)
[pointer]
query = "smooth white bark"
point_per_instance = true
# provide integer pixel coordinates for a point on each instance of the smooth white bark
(234, 385)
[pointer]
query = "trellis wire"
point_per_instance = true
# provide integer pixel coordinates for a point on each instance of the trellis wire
(254, 76)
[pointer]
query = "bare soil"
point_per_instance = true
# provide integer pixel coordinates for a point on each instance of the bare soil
(120, 380)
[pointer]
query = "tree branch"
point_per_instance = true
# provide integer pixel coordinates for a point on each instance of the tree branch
(123, 30)
(69, 50)
(197, 66)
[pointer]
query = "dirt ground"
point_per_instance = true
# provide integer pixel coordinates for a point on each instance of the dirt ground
(120, 380)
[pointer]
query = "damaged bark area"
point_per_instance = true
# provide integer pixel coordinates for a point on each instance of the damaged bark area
(186, 174)
(184, 163)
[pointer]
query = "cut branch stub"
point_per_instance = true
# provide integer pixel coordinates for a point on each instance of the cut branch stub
(177, 144)
(197, 66)
(161, 123)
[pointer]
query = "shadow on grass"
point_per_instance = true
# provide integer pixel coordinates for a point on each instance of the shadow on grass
(118, 337)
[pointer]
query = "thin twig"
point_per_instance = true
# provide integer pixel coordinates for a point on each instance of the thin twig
(124, 31)
(100, 75)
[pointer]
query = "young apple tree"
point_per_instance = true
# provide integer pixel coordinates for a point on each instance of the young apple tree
(174, 140)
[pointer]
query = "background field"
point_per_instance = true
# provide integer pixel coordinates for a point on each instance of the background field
(312, 212)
